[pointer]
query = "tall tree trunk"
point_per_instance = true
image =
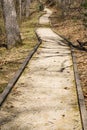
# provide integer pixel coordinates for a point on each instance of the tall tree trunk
(20, 6)
(11, 25)
(27, 8)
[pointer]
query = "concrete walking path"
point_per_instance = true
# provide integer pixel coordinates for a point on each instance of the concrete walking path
(45, 96)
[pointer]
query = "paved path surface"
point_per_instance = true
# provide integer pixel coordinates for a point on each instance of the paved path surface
(45, 96)
(45, 18)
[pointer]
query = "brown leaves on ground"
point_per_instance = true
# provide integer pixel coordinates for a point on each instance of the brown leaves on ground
(72, 27)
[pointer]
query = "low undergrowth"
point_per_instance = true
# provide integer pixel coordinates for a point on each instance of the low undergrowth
(10, 60)
(85, 4)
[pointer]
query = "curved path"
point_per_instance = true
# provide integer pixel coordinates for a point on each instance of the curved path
(45, 96)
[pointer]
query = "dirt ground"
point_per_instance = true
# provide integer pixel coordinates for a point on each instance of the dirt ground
(41, 99)
(72, 27)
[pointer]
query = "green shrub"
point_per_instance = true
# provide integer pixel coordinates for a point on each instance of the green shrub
(85, 5)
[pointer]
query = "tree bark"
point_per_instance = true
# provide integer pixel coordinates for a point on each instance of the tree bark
(27, 8)
(11, 25)
(20, 7)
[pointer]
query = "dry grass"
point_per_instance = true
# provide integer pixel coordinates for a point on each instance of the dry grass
(10, 60)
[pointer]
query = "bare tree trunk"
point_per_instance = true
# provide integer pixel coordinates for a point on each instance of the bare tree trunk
(20, 6)
(23, 5)
(11, 25)
(27, 8)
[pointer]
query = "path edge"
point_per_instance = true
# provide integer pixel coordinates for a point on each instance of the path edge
(80, 95)
(81, 102)
(17, 75)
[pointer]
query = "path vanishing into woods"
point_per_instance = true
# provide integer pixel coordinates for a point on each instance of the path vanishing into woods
(45, 97)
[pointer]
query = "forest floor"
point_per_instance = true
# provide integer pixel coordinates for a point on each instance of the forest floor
(41, 99)
(72, 27)
(11, 60)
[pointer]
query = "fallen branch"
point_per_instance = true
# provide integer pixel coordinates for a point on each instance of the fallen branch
(79, 47)
(82, 43)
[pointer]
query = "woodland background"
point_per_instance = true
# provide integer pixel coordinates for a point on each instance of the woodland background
(18, 21)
